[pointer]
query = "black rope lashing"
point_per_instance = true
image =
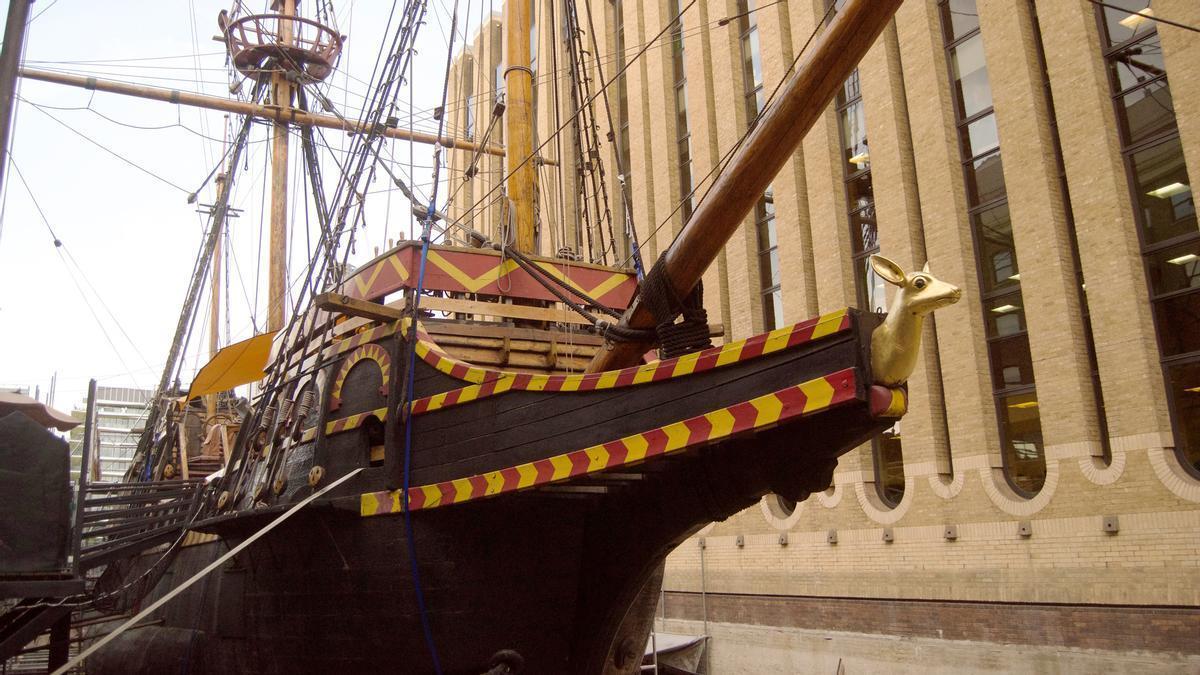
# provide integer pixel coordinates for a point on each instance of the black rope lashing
(681, 325)
(610, 331)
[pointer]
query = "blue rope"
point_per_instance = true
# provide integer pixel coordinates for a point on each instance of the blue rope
(426, 227)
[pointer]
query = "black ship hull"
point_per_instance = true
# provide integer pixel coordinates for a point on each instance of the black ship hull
(542, 507)
(565, 580)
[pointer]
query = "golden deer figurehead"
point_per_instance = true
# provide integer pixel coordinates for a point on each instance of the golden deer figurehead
(896, 341)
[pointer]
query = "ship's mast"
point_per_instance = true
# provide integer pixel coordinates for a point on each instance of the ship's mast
(282, 91)
(14, 42)
(518, 121)
(214, 336)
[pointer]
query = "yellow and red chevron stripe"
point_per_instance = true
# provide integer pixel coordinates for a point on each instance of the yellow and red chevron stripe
(470, 270)
(354, 421)
(377, 333)
(493, 382)
(373, 352)
(756, 414)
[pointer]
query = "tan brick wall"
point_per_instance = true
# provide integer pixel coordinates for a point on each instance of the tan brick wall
(950, 436)
(1036, 207)
(902, 239)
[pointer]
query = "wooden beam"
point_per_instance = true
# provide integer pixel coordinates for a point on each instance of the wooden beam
(290, 115)
(768, 146)
(344, 304)
(499, 309)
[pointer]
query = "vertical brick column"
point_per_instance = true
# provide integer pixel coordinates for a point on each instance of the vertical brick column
(660, 81)
(699, 42)
(642, 148)
(1057, 338)
(798, 279)
(826, 191)
(898, 212)
(741, 253)
(1126, 349)
(966, 377)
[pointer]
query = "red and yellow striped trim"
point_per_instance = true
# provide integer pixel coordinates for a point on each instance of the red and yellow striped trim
(377, 333)
(887, 401)
(354, 421)
(492, 382)
(756, 414)
(370, 351)
(473, 270)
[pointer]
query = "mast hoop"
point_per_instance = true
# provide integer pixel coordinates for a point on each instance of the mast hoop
(525, 69)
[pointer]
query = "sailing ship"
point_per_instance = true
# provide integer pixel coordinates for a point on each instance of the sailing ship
(466, 458)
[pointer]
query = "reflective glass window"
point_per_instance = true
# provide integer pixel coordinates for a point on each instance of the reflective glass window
(985, 179)
(972, 89)
(1184, 385)
(1024, 458)
(1146, 112)
(1164, 192)
(959, 18)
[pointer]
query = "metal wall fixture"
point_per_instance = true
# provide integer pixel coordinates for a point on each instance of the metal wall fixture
(1025, 529)
(887, 535)
(740, 541)
(831, 536)
(1111, 525)
(951, 532)
(783, 539)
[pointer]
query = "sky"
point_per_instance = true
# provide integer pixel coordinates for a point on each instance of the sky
(109, 177)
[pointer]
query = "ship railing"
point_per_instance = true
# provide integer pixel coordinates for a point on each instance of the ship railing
(123, 518)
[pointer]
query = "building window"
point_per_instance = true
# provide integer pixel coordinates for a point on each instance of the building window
(1013, 387)
(1164, 207)
(683, 137)
(764, 212)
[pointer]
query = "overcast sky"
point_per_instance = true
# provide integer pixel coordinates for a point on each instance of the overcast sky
(105, 304)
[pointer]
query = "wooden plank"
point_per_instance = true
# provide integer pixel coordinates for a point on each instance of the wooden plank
(507, 344)
(497, 309)
(344, 304)
(183, 453)
(443, 327)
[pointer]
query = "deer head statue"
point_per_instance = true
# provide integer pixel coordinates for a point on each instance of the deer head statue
(896, 341)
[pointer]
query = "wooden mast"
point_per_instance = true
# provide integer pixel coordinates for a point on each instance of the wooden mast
(518, 120)
(214, 335)
(281, 97)
(768, 146)
(10, 57)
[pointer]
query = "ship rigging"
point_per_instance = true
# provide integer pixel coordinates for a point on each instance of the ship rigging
(470, 399)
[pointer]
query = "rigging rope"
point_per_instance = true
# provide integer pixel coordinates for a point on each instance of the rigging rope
(719, 167)
(405, 401)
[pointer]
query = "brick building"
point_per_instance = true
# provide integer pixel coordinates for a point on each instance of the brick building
(1044, 488)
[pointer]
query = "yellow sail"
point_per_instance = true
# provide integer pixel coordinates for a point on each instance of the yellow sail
(239, 363)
